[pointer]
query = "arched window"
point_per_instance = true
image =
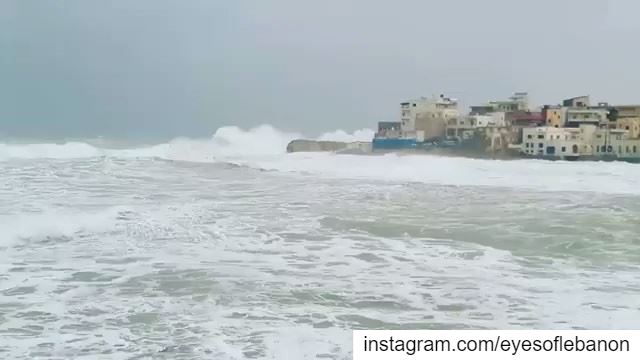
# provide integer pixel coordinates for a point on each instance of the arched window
(575, 149)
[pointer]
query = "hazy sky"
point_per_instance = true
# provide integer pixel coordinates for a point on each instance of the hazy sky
(166, 68)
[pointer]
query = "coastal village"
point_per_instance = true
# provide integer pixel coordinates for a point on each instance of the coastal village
(574, 129)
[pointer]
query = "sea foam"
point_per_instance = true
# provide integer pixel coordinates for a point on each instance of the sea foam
(264, 147)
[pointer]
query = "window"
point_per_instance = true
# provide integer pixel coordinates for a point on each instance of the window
(551, 150)
(529, 136)
(540, 136)
(564, 149)
(575, 149)
(635, 149)
(619, 149)
(598, 148)
(414, 105)
(527, 145)
(540, 145)
(627, 149)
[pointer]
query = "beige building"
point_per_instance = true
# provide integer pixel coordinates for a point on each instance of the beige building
(616, 143)
(555, 116)
(631, 124)
(428, 114)
(628, 111)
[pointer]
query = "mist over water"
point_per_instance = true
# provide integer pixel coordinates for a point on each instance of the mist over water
(230, 248)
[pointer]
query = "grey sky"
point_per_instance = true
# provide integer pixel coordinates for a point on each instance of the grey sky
(168, 68)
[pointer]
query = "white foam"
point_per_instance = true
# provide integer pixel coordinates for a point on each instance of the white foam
(264, 147)
(53, 223)
(605, 177)
(69, 150)
(341, 135)
(228, 141)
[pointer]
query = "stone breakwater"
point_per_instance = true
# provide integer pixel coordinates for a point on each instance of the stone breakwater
(329, 146)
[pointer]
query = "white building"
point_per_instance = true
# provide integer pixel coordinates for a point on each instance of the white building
(585, 141)
(551, 141)
(494, 119)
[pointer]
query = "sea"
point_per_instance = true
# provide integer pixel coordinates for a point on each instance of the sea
(227, 247)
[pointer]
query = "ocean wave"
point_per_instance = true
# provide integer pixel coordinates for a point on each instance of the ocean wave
(264, 148)
(226, 142)
(542, 175)
(343, 136)
(49, 224)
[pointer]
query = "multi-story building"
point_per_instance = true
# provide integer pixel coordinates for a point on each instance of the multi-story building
(586, 142)
(429, 117)
(420, 110)
(578, 101)
(586, 116)
(389, 129)
(631, 124)
(519, 101)
(495, 119)
(555, 116)
(551, 142)
(627, 111)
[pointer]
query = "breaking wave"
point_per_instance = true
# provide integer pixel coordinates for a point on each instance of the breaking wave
(264, 147)
(341, 135)
(54, 224)
(226, 142)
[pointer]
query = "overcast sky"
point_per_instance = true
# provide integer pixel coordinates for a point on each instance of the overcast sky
(167, 68)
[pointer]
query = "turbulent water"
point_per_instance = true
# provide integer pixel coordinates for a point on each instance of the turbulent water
(228, 248)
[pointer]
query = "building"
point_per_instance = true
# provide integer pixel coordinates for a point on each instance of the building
(424, 109)
(617, 144)
(555, 116)
(494, 119)
(578, 101)
(524, 119)
(518, 102)
(589, 116)
(627, 111)
(421, 121)
(409, 111)
(460, 128)
(587, 142)
(550, 141)
(631, 124)
(432, 116)
(481, 109)
(389, 129)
